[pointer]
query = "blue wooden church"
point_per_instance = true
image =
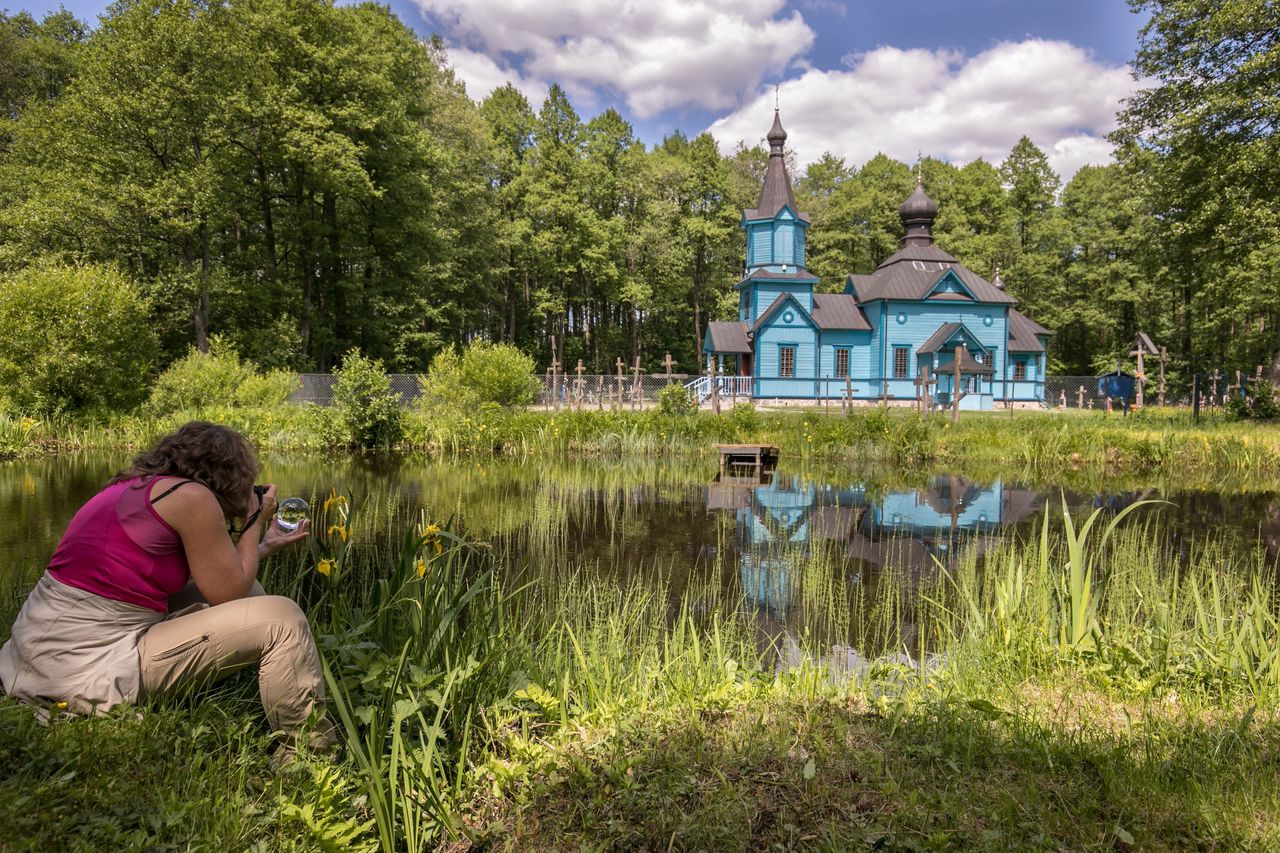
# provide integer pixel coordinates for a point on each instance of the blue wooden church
(922, 320)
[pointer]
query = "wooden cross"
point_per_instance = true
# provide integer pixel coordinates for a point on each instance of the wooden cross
(668, 363)
(1062, 398)
(1080, 398)
(619, 365)
(1164, 354)
(579, 384)
(715, 387)
(1139, 351)
(1216, 376)
(956, 392)
(637, 390)
(555, 373)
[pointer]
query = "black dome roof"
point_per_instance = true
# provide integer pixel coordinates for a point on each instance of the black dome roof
(918, 206)
(777, 135)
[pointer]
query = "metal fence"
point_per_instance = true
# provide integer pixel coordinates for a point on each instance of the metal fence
(594, 390)
(318, 387)
(1213, 388)
(605, 391)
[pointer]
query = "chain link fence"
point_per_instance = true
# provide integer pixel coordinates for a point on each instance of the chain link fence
(587, 390)
(604, 391)
(318, 387)
(1214, 389)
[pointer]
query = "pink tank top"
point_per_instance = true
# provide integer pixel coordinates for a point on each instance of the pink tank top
(117, 546)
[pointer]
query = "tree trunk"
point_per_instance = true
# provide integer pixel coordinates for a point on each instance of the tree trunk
(201, 307)
(268, 222)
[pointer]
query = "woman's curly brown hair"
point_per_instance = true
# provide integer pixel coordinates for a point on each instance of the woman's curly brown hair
(217, 457)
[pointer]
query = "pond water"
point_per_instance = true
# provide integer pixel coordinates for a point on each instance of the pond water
(676, 518)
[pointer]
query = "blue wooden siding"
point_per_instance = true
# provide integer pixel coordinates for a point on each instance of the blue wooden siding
(759, 245)
(801, 259)
(766, 292)
(784, 243)
(910, 511)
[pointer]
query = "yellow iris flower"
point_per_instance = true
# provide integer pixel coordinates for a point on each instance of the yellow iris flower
(325, 567)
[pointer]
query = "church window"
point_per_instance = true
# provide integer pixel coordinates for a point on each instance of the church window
(787, 362)
(842, 363)
(1019, 370)
(899, 362)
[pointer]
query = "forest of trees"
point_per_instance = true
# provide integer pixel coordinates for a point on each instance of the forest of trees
(302, 178)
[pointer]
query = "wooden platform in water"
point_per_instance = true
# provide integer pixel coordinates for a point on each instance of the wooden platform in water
(758, 456)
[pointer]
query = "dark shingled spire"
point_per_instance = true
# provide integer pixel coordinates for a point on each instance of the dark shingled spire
(776, 191)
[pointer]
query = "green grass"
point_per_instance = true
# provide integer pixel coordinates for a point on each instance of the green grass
(1082, 691)
(1031, 445)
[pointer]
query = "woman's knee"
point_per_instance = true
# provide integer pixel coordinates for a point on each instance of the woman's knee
(281, 610)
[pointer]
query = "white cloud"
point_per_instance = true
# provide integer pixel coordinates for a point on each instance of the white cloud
(482, 75)
(901, 102)
(657, 55)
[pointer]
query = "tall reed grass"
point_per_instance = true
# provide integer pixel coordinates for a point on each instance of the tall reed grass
(451, 675)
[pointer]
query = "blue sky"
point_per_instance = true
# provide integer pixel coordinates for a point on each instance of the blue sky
(956, 80)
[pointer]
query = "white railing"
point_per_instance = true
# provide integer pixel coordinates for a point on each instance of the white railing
(730, 386)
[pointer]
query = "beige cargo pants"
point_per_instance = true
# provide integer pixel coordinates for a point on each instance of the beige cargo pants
(200, 645)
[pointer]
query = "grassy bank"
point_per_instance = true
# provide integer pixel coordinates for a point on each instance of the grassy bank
(1091, 688)
(1033, 445)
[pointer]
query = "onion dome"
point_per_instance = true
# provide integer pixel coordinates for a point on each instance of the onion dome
(918, 206)
(917, 214)
(777, 136)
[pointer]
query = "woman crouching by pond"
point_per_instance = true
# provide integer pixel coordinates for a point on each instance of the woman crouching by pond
(148, 595)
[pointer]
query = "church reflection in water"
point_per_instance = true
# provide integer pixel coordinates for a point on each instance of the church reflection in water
(781, 520)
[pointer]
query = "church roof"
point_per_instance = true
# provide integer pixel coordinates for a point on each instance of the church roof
(728, 337)
(762, 274)
(967, 364)
(914, 279)
(929, 253)
(939, 338)
(838, 311)
(776, 192)
(1023, 333)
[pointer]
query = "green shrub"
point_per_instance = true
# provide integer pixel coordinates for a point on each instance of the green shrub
(1258, 404)
(367, 409)
(266, 390)
(205, 380)
(73, 338)
(743, 422)
(675, 399)
(482, 373)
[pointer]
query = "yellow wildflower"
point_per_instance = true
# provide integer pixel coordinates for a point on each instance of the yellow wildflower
(439, 547)
(61, 706)
(420, 567)
(339, 529)
(325, 567)
(430, 530)
(334, 499)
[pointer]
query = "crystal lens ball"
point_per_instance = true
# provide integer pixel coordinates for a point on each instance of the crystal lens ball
(291, 513)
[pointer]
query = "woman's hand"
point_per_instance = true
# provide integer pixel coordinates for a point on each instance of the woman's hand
(277, 538)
